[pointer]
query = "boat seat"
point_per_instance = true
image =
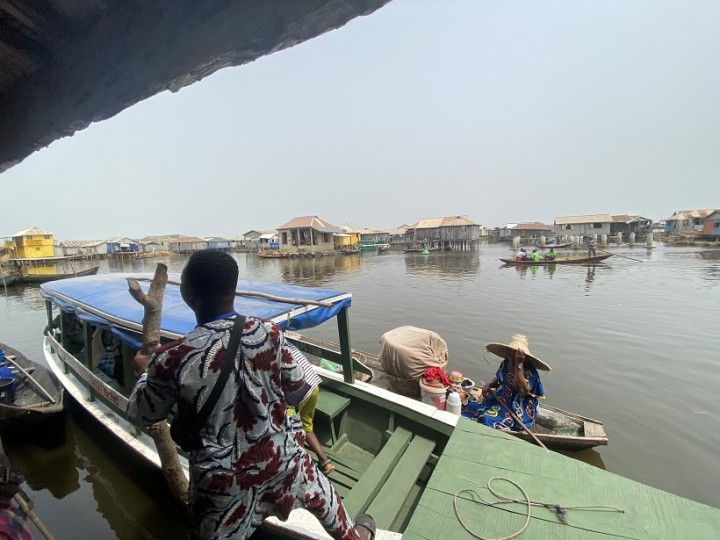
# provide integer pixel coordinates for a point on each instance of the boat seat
(383, 488)
(331, 405)
(391, 498)
(369, 484)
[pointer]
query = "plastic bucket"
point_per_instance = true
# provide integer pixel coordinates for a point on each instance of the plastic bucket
(433, 395)
(6, 391)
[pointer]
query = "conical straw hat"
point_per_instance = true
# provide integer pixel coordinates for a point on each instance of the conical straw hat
(517, 343)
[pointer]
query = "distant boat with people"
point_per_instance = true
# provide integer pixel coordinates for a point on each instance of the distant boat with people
(556, 260)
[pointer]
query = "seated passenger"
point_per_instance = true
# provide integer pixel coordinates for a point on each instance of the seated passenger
(535, 256)
(550, 255)
(516, 386)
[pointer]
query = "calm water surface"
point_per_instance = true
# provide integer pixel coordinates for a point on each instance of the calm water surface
(634, 344)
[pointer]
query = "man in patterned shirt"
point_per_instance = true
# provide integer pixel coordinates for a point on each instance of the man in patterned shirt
(252, 463)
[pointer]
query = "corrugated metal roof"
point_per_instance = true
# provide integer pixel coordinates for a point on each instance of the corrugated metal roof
(188, 240)
(368, 230)
(447, 221)
(535, 226)
(310, 222)
(32, 231)
(348, 229)
(690, 214)
(73, 243)
(592, 218)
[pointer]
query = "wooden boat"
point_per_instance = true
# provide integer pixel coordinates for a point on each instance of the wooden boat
(558, 260)
(7, 280)
(38, 394)
(556, 428)
(400, 460)
(44, 278)
(563, 430)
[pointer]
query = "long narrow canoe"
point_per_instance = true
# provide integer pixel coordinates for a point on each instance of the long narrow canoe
(559, 260)
(42, 278)
(556, 428)
(7, 280)
(30, 403)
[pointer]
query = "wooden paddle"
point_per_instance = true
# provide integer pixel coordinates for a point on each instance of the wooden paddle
(30, 378)
(160, 431)
(501, 401)
(617, 255)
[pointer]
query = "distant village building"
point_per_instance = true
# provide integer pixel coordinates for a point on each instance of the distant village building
(504, 233)
(594, 224)
(259, 239)
(687, 221)
(240, 243)
(216, 242)
(121, 245)
(187, 244)
(346, 238)
(711, 225)
(452, 232)
(374, 236)
(532, 229)
(72, 248)
(157, 243)
(625, 224)
(90, 249)
(397, 235)
(307, 233)
(33, 243)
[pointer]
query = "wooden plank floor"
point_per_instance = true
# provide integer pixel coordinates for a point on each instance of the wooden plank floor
(475, 454)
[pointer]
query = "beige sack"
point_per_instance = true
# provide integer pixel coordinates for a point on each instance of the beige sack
(407, 351)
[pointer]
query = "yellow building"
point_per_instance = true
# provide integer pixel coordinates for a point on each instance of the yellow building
(33, 243)
(347, 238)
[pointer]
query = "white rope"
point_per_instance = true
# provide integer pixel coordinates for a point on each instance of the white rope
(502, 499)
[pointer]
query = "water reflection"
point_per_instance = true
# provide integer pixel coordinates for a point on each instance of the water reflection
(314, 271)
(453, 263)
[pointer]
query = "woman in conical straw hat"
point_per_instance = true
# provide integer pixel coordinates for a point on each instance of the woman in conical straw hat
(516, 384)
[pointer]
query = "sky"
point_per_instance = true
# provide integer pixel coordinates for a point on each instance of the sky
(503, 111)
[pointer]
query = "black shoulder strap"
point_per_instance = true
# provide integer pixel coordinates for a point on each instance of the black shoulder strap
(232, 349)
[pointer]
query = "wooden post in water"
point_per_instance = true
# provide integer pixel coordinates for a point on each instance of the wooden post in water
(542, 240)
(515, 242)
(603, 240)
(619, 238)
(650, 240)
(632, 238)
(160, 431)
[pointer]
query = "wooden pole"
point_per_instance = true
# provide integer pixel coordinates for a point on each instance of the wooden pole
(160, 431)
(501, 401)
(25, 506)
(264, 295)
(31, 379)
(617, 255)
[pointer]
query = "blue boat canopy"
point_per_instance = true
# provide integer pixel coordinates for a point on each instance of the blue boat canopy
(105, 300)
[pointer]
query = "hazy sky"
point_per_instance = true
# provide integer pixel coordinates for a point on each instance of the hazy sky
(504, 111)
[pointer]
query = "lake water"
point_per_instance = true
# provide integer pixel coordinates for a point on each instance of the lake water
(635, 344)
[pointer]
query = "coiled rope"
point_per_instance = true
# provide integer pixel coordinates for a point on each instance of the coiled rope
(502, 499)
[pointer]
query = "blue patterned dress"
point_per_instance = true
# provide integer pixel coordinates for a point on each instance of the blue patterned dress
(491, 413)
(253, 463)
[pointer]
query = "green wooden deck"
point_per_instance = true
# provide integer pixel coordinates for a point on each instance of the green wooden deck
(475, 454)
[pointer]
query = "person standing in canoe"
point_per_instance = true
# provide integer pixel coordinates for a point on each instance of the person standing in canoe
(516, 386)
(591, 246)
(250, 462)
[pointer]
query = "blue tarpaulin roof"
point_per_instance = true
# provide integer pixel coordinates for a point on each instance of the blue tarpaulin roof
(104, 299)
